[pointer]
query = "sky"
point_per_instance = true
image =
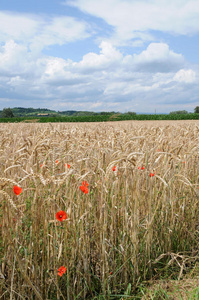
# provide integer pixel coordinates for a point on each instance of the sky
(108, 55)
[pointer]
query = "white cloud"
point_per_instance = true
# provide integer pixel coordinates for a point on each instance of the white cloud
(59, 31)
(133, 18)
(108, 56)
(59, 72)
(186, 76)
(157, 52)
(105, 81)
(18, 26)
(158, 58)
(41, 31)
(14, 59)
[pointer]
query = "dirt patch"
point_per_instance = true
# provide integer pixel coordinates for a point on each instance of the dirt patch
(30, 121)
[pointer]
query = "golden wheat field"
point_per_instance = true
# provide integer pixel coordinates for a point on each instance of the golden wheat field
(95, 210)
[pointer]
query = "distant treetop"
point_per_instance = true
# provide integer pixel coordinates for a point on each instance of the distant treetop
(178, 112)
(196, 110)
(7, 113)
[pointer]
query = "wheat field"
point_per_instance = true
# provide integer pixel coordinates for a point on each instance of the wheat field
(138, 220)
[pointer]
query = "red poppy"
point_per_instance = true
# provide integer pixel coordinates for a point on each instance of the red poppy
(142, 168)
(57, 162)
(85, 183)
(68, 166)
(41, 165)
(17, 190)
(84, 188)
(151, 174)
(114, 168)
(61, 271)
(61, 215)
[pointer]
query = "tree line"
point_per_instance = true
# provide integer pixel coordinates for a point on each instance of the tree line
(10, 113)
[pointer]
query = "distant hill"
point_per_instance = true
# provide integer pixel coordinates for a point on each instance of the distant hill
(44, 112)
(31, 112)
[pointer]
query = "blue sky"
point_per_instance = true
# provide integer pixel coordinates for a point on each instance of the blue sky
(121, 55)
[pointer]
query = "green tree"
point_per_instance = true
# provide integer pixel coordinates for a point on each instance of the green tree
(7, 113)
(131, 113)
(178, 112)
(196, 110)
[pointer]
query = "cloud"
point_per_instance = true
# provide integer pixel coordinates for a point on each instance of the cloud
(59, 72)
(18, 26)
(41, 31)
(158, 58)
(59, 31)
(135, 19)
(14, 59)
(186, 76)
(108, 57)
(108, 80)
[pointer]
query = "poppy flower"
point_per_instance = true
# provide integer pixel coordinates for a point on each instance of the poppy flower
(17, 190)
(61, 271)
(84, 188)
(114, 168)
(61, 215)
(151, 174)
(68, 166)
(142, 168)
(57, 161)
